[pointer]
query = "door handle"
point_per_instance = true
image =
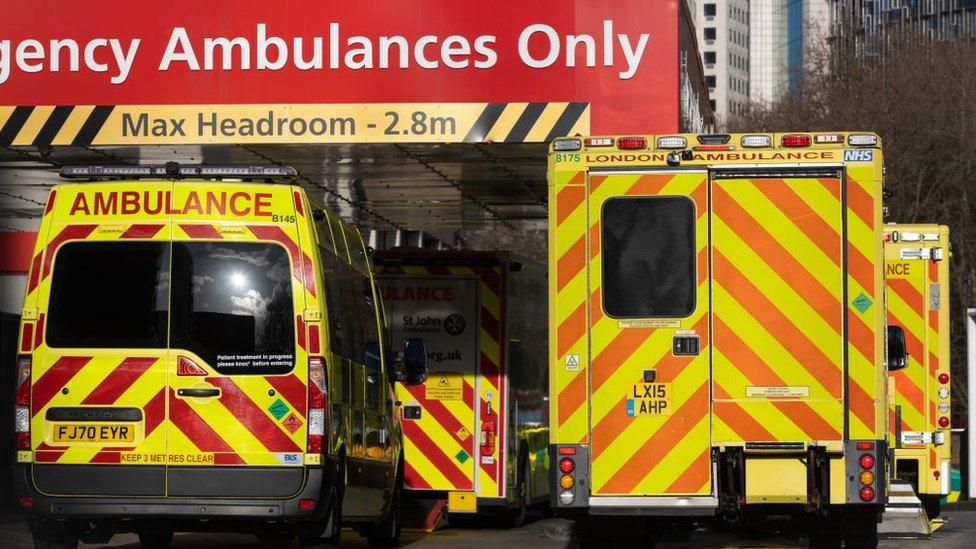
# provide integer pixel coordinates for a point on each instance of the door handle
(198, 393)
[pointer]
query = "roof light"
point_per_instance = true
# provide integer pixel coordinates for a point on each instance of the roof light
(944, 422)
(674, 142)
(943, 378)
(714, 138)
(173, 170)
(632, 143)
(828, 138)
(796, 140)
(756, 141)
(714, 148)
(598, 141)
(862, 140)
(567, 145)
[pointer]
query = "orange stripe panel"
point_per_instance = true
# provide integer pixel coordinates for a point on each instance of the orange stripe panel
(694, 477)
(570, 263)
(860, 202)
(572, 397)
(569, 198)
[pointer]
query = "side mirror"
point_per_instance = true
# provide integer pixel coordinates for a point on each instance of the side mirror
(896, 356)
(414, 371)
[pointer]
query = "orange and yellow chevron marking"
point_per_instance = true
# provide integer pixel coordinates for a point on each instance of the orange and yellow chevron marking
(866, 384)
(568, 310)
(777, 307)
(652, 454)
(910, 285)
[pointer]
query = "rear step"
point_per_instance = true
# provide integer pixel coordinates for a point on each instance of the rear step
(904, 516)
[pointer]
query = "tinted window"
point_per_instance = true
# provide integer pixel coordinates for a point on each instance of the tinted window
(232, 305)
(352, 312)
(109, 295)
(648, 257)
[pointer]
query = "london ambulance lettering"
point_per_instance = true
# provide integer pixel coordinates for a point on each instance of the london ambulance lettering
(161, 202)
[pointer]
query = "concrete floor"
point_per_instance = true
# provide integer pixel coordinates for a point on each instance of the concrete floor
(959, 532)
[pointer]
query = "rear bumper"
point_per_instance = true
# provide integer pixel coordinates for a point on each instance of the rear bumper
(318, 486)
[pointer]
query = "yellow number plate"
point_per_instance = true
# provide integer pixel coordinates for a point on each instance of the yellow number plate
(649, 399)
(94, 432)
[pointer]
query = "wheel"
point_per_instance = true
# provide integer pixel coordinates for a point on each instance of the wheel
(932, 506)
(55, 542)
(515, 517)
(387, 533)
(330, 536)
(825, 540)
(156, 540)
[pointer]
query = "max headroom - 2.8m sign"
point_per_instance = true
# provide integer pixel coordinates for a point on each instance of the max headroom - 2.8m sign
(615, 65)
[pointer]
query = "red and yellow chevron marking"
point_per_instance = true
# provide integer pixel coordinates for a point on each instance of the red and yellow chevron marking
(235, 428)
(433, 443)
(909, 284)
(650, 454)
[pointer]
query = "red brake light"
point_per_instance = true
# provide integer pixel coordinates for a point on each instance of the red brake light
(796, 140)
(26, 501)
(316, 405)
(632, 143)
(22, 395)
(566, 465)
(22, 441)
(306, 504)
(866, 461)
(943, 378)
(865, 446)
(867, 493)
(943, 422)
(567, 451)
(713, 148)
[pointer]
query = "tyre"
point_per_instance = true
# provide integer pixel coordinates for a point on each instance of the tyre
(932, 506)
(515, 517)
(156, 540)
(330, 536)
(387, 533)
(59, 542)
(825, 540)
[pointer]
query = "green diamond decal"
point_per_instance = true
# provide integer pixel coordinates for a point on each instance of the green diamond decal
(861, 303)
(278, 409)
(462, 456)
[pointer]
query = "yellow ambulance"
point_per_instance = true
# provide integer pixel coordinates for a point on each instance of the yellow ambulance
(917, 292)
(717, 332)
(202, 349)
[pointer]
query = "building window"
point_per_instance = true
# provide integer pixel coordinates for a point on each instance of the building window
(709, 57)
(710, 10)
(709, 33)
(711, 104)
(711, 81)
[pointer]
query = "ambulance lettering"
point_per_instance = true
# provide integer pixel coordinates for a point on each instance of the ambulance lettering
(858, 155)
(161, 202)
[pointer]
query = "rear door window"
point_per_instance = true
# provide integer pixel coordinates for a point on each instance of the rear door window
(109, 295)
(232, 305)
(648, 257)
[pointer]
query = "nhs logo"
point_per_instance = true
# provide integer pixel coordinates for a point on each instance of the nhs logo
(858, 155)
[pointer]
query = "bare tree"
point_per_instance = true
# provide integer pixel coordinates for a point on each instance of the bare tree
(920, 96)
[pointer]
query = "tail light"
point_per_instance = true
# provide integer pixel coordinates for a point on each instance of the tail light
(632, 143)
(566, 465)
(943, 378)
(944, 422)
(796, 140)
(866, 461)
(566, 482)
(865, 445)
(866, 493)
(316, 405)
(487, 438)
(22, 415)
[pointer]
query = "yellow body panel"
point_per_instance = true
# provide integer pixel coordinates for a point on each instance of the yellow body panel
(776, 480)
(790, 314)
(918, 301)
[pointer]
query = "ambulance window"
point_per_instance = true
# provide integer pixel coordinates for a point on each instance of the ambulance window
(109, 295)
(232, 306)
(648, 257)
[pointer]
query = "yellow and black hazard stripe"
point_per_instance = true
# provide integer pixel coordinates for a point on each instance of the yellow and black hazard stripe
(52, 125)
(86, 125)
(527, 122)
